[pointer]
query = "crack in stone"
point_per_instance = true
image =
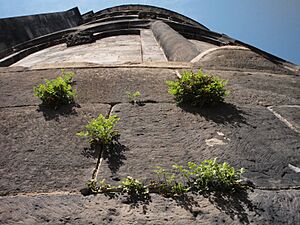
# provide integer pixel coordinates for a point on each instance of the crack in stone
(282, 119)
(112, 105)
(101, 150)
(98, 165)
(278, 188)
(16, 106)
(75, 192)
(33, 194)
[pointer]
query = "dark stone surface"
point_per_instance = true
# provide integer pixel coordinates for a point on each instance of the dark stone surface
(93, 85)
(175, 46)
(20, 29)
(43, 165)
(87, 17)
(191, 32)
(130, 8)
(230, 58)
(260, 207)
(40, 151)
(79, 38)
(144, 15)
(112, 85)
(290, 113)
(260, 88)
(17, 87)
(163, 134)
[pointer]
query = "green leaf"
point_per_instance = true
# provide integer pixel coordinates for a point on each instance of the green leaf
(101, 130)
(198, 89)
(56, 92)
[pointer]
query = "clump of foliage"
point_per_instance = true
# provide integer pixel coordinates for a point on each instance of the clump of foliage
(134, 97)
(206, 176)
(101, 130)
(198, 89)
(134, 187)
(101, 186)
(58, 91)
(167, 183)
(92, 186)
(210, 175)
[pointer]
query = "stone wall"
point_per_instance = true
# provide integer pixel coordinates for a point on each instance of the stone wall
(16, 30)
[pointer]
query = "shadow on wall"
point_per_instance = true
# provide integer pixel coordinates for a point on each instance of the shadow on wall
(114, 154)
(54, 114)
(236, 205)
(222, 113)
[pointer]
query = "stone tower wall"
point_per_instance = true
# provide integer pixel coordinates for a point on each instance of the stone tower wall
(16, 30)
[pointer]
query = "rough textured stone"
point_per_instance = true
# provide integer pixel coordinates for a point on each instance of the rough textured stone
(260, 207)
(154, 134)
(43, 165)
(40, 151)
(290, 113)
(237, 58)
(163, 134)
(17, 87)
(112, 85)
(260, 88)
(79, 38)
(98, 85)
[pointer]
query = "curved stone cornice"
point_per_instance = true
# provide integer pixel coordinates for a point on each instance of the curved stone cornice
(152, 10)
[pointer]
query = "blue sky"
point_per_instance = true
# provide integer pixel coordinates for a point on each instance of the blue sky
(271, 25)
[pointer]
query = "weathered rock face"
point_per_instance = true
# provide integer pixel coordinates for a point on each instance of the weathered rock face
(16, 30)
(44, 165)
(79, 38)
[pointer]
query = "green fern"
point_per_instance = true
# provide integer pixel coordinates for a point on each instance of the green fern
(56, 92)
(198, 89)
(101, 130)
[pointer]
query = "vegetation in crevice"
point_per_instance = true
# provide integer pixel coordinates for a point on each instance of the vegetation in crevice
(134, 97)
(57, 92)
(103, 137)
(207, 176)
(198, 89)
(100, 131)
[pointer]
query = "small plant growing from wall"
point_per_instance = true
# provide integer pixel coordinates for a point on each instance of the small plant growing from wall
(101, 134)
(134, 187)
(101, 130)
(207, 176)
(198, 89)
(58, 91)
(167, 183)
(134, 97)
(210, 175)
